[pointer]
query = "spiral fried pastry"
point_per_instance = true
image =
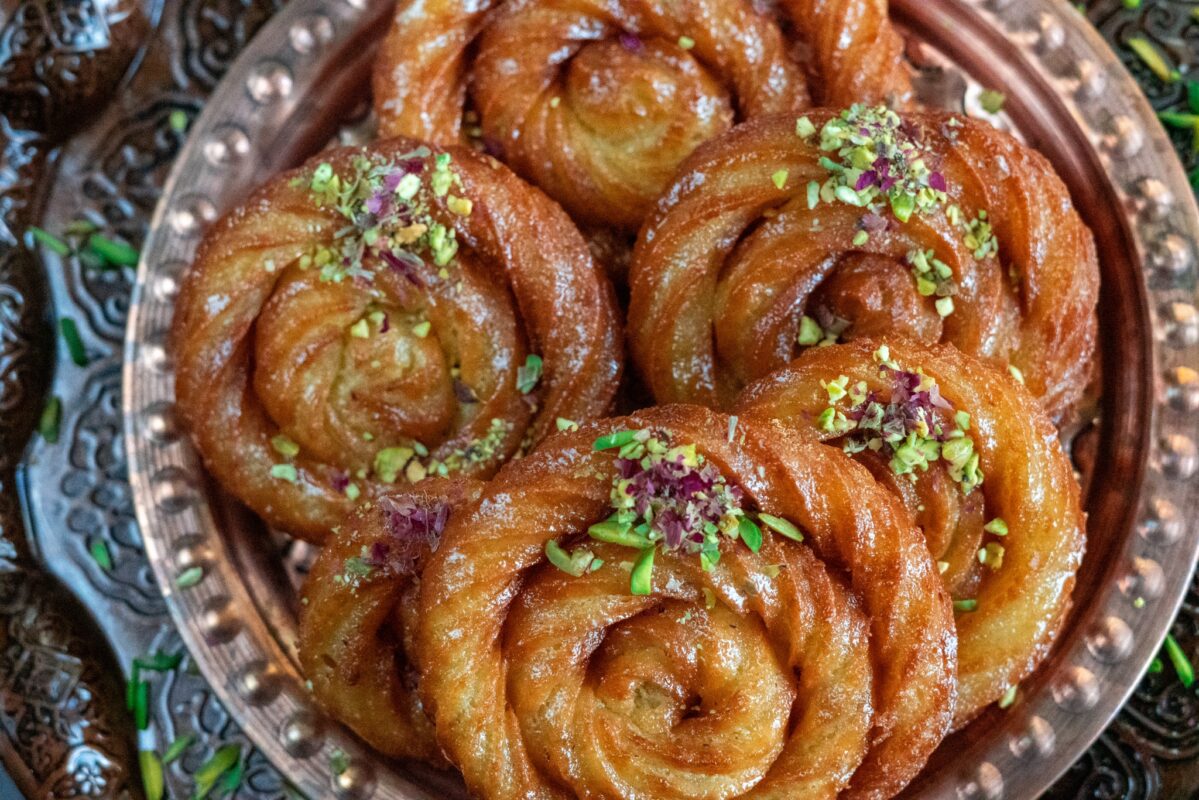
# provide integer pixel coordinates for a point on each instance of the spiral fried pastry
(599, 102)
(984, 477)
(384, 314)
(935, 227)
(709, 667)
(358, 618)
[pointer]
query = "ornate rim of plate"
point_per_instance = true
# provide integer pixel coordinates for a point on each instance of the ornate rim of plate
(1052, 64)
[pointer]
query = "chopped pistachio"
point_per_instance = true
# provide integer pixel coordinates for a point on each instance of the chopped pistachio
(641, 578)
(781, 526)
(98, 549)
(285, 472)
(408, 186)
(50, 421)
(1152, 57)
(750, 533)
(421, 329)
(614, 532)
(360, 329)
(1015, 372)
(189, 577)
(574, 564)
(810, 332)
(1182, 664)
(991, 100)
(461, 206)
(49, 241)
(564, 424)
(779, 178)
(686, 42)
(528, 375)
(804, 128)
(996, 526)
(415, 472)
(614, 440)
(74, 343)
(391, 461)
(992, 555)
(284, 446)
(813, 194)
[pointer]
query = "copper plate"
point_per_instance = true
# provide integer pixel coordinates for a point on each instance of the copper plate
(305, 75)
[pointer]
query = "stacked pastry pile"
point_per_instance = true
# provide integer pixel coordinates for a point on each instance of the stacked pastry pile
(848, 529)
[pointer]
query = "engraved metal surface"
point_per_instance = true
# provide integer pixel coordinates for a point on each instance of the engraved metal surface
(69, 627)
(1066, 94)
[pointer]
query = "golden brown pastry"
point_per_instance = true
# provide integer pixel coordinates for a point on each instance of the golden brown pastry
(624, 613)
(785, 234)
(599, 102)
(358, 616)
(384, 314)
(979, 467)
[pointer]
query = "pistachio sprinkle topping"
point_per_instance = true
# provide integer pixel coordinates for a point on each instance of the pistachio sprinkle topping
(387, 205)
(668, 497)
(911, 426)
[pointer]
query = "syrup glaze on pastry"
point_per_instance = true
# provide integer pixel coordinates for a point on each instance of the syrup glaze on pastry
(599, 102)
(980, 469)
(784, 233)
(358, 616)
(380, 315)
(683, 645)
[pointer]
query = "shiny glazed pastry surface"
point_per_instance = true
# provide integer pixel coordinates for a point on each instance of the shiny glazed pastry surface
(756, 251)
(374, 317)
(358, 617)
(798, 670)
(599, 102)
(1012, 579)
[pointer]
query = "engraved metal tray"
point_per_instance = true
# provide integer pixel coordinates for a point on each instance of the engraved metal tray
(303, 79)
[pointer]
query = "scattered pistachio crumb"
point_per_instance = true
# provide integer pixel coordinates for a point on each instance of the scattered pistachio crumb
(189, 577)
(461, 206)
(992, 100)
(810, 332)
(285, 472)
(996, 526)
(779, 178)
(421, 329)
(284, 446)
(686, 42)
